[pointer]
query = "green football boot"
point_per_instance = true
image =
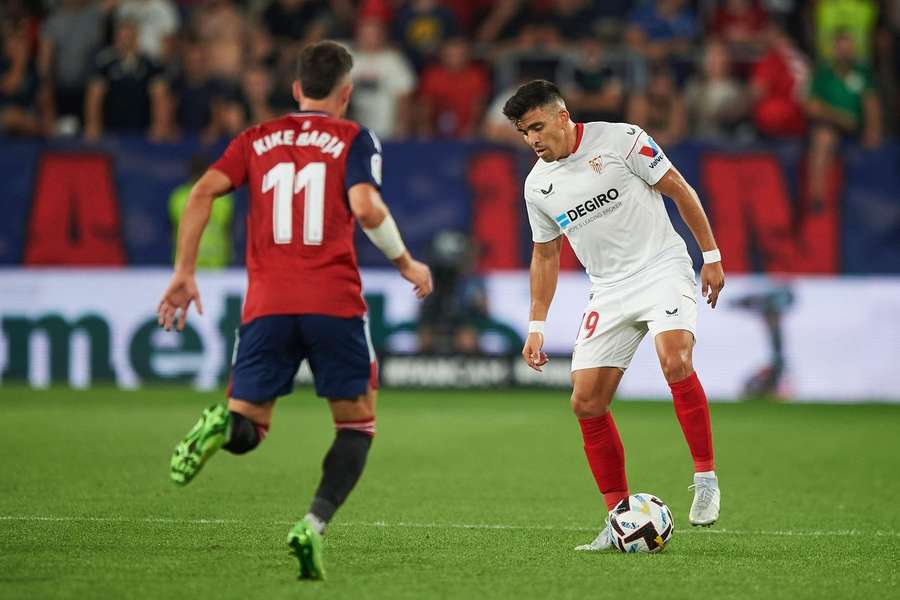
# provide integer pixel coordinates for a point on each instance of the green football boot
(306, 545)
(208, 435)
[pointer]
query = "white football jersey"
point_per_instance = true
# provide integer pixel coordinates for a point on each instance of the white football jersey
(601, 197)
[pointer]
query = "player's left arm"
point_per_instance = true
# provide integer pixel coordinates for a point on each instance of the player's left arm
(712, 276)
(379, 226)
(363, 184)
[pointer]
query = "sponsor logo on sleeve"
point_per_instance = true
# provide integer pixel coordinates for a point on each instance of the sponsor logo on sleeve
(652, 151)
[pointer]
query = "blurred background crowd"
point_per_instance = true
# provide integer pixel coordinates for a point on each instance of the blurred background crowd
(787, 110)
(426, 69)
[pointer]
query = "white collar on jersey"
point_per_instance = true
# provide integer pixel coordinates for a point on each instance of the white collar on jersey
(310, 113)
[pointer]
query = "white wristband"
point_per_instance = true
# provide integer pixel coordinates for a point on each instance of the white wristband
(386, 238)
(712, 256)
(536, 327)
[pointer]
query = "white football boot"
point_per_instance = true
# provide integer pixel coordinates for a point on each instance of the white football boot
(603, 541)
(705, 508)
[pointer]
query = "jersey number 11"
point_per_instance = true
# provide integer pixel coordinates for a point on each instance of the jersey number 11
(287, 183)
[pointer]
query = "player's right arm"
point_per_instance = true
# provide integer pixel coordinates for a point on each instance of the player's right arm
(375, 218)
(226, 174)
(547, 238)
(544, 276)
(182, 288)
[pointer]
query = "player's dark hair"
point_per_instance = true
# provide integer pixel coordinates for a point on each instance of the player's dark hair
(531, 95)
(321, 67)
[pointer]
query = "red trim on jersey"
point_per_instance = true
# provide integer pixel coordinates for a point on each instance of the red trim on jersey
(633, 145)
(579, 133)
(373, 375)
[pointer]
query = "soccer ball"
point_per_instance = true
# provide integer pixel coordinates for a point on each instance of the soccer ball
(641, 523)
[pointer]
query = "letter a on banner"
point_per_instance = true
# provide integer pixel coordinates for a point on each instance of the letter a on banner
(75, 213)
(496, 194)
(758, 225)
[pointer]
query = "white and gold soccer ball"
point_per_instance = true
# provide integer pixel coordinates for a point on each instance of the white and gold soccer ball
(641, 523)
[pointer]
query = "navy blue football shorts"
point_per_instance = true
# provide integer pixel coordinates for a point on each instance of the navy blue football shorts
(269, 350)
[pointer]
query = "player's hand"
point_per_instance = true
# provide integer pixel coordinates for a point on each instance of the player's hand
(532, 353)
(712, 280)
(418, 274)
(176, 300)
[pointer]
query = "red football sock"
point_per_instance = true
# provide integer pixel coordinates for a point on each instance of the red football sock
(692, 411)
(606, 457)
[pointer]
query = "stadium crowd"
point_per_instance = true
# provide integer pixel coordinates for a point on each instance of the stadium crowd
(822, 70)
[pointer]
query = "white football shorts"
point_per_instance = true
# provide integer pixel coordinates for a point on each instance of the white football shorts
(616, 319)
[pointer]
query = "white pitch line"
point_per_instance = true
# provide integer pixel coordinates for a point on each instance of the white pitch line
(814, 533)
(119, 520)
(482, 526)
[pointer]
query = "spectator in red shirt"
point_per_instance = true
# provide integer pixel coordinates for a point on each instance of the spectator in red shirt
(778, 87)
(453, 93)
(740, 24)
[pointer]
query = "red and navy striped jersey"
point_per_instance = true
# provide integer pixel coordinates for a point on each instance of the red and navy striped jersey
(300, 253)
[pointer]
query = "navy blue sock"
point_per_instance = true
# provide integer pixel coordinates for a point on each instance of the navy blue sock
(245, 434)
(341, 469)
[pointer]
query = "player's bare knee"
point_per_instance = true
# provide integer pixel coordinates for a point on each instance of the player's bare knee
(259, 414)
(586, 405)
(676, 365)
(363, 412)
(360, 408)
(354, 414)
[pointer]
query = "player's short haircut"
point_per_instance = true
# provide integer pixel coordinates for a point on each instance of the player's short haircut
(533, 94)
(321, 66)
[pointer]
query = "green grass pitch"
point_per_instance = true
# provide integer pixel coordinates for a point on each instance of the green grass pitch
(467, 495)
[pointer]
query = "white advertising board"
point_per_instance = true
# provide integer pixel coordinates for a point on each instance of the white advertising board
(831, 339)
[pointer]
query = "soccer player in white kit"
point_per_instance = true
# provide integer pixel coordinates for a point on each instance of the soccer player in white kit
(600, 185)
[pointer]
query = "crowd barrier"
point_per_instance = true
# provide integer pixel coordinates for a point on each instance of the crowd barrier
(801, 338)
(67, 203)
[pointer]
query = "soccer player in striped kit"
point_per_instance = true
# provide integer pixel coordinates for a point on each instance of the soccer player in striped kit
(311, 175)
